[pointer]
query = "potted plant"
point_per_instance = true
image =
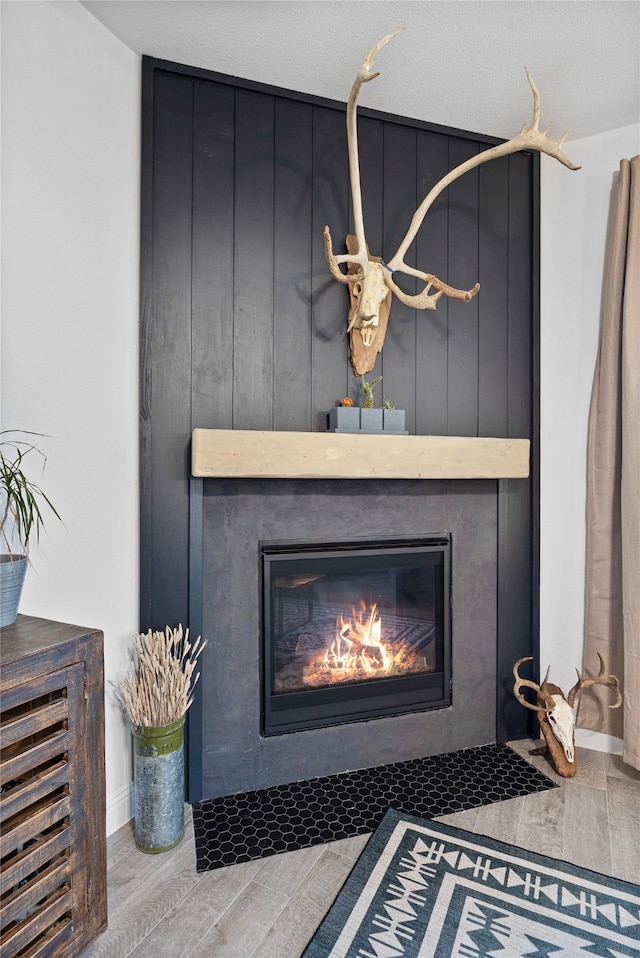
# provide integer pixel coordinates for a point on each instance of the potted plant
(370, 418)
(345, 417)
(21, 519)
(392, 418)
(156, 695)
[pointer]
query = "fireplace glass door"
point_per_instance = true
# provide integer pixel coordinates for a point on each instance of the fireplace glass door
(352, 631)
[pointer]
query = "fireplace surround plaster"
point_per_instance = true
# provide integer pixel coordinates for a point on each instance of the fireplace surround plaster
(228, 754)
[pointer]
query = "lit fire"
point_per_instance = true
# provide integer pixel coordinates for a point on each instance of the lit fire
(358, 644)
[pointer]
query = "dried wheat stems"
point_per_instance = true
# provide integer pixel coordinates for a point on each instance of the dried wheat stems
(159, 690)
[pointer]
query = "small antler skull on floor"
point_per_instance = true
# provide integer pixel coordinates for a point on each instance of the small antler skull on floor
(555, 713)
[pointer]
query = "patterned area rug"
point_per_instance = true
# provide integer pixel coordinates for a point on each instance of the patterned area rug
(423, 889)
(249, 825)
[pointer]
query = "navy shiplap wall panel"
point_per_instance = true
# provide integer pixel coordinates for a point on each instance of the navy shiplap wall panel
(244, 327)
(253, 261)
(397, 362)
(518, 522)
(493, 275)
(166, 334)
(291, 265)
(330, 375)
(432, 327)
(462, 272)
(212, 319)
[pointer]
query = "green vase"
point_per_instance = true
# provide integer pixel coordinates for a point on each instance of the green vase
(158, 764)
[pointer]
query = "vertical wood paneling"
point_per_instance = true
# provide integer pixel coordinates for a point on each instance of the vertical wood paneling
(515, 598)
(167, 458)
(516, 549)
(212, 316)
(493, 316)
(520, 295)
(371, 134)
(371, 139)
(292, 266)
(253, 261)
(329, 348)
(398, 365)
(462, 392)
(431, 257)
(147, 427)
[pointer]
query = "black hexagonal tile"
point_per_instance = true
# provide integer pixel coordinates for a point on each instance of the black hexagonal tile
(242, 827)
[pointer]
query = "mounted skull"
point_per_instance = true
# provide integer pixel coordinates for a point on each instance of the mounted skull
(555, 713)
(371, 280)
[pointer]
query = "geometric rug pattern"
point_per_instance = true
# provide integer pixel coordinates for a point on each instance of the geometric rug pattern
(424, 889)
(250, 825)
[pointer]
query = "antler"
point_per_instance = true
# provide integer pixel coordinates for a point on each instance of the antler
(528, 684)
(360, 256)
(333, 261)
(370, 279)
(611, 681)
(529, 138)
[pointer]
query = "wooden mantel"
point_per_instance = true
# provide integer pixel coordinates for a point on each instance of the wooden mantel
(255, 454)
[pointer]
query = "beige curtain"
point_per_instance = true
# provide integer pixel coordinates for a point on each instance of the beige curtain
(612, 612)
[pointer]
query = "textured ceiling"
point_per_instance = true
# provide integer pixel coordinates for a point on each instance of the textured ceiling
(458, 63)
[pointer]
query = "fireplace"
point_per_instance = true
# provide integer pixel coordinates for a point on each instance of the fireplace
(238, 525)
(353, 630)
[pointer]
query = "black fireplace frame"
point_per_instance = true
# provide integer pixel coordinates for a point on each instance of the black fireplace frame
(357, 701)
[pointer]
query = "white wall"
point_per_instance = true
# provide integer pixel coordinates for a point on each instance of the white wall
(70, 250)
(574, 220)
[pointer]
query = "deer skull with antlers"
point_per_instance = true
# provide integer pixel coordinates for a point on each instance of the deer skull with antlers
(555, 713)
(370, 279)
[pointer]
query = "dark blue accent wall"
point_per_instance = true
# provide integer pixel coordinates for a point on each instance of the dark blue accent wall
(242, 325)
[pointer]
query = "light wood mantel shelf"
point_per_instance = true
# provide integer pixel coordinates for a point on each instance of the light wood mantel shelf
(255, 454)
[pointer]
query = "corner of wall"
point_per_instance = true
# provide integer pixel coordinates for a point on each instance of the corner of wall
(574, 219)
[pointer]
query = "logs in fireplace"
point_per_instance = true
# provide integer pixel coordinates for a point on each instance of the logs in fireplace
(353, 630)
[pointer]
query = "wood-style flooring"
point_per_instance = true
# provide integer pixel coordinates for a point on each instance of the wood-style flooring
(160, 907)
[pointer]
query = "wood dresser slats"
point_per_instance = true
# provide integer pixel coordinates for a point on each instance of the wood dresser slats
(31, 758)
(33, 687)
(57, 940)
(25, 794)
(16, 729)
(37, 923)
(52, 808)
(34, 890)
(35, 857)
(32, 822)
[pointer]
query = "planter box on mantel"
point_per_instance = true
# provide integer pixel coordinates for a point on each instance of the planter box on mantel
(356, 419)
(393, 421)
(344, 419)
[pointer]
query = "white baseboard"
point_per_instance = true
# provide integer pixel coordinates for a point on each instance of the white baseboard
(120, 808)
(598, 741)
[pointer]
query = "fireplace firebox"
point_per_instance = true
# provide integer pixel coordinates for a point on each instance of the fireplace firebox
(354, 630)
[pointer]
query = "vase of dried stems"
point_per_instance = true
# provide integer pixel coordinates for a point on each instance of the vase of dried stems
(158, 765)
(156, 696)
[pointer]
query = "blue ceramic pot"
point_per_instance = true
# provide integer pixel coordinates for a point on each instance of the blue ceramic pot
(12, 572)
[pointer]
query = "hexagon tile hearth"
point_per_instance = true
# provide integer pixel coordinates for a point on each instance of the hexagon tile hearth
(249, 825)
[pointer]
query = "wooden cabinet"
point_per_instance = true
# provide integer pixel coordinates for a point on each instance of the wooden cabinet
(52, 804)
